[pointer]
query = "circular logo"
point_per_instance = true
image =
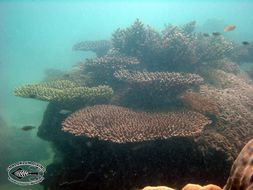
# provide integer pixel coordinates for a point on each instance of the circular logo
(26, 173)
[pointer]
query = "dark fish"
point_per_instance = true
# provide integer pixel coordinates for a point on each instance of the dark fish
(28, 128)
(245, 43)
(206, 35)
(66, 75)
(216, 34)
(32, 96)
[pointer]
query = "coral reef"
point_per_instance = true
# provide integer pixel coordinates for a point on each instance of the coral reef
(241, 174)
(63, 91)
(168, 85)
(121, 125)
(100, 47)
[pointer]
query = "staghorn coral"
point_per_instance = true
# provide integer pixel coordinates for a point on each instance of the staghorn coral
(63, 91)
(189, 27)
(121, 125)
(189, 50)
(100, 47)
(241, 174)
(139, 41)
(159, 79)
(174, 48)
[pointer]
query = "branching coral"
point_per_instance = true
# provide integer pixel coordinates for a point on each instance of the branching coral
(138, 41)
(100, 47)
(62, 91)
(200, 103)
(225, 65)
(121, 125)
(175, 48)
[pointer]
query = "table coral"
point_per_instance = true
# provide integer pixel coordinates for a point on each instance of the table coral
(62, 91)
(121, 125)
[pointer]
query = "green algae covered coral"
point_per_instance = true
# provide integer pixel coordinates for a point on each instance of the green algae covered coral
(62, 91)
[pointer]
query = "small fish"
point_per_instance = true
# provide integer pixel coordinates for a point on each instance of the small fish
(66, 75)
(216, 34)
(206, 35)
(64, 112)
(28, 128)
(229, 28)
(245, 43)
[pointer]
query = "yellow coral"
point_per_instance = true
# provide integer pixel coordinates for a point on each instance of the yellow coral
(62, 90)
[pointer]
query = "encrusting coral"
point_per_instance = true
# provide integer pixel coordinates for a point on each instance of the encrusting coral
(63, 91)
(121, 125)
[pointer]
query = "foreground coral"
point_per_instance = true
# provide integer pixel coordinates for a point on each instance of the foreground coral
(157, 188)
(119, 124)
(241, 174)
(198, 187)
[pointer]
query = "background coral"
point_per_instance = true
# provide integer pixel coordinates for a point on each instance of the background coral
(100, 47)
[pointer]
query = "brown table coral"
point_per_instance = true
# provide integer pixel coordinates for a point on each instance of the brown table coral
(119, 124)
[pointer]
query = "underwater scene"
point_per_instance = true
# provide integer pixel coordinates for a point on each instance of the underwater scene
(126, 95)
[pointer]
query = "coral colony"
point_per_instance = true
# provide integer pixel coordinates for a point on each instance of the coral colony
(155, 108)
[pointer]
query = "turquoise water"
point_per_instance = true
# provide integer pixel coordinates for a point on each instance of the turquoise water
(38, 35)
